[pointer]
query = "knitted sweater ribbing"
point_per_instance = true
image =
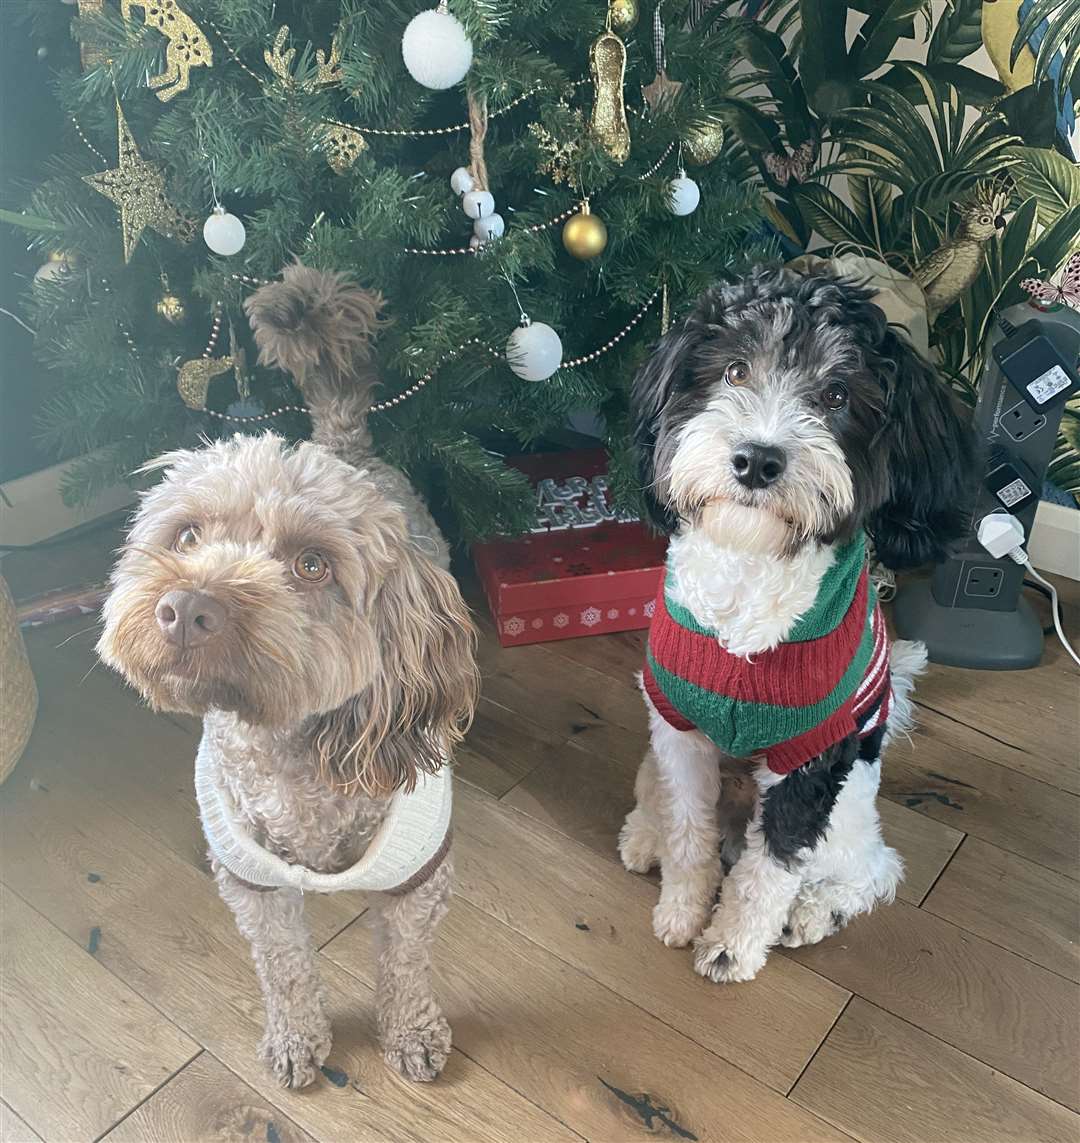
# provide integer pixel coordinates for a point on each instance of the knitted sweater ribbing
(828, 679)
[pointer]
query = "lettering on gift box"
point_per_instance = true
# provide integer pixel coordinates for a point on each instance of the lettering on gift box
(576, 502)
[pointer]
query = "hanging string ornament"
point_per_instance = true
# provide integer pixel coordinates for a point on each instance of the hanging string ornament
(138, 189)
(607, 65)
(663, 90)
(187, 45)
(534, 350)
(683, 194)
(477, 201)
(224, 233)
(436, 49)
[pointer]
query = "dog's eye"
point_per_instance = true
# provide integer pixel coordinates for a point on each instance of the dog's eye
(737, 373)
(187, 539)
(834, 395)
(311, 567)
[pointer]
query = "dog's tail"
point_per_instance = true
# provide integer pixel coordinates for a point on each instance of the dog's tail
(318, 326)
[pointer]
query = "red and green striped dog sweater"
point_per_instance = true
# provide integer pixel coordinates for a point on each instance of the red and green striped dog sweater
(828, 679)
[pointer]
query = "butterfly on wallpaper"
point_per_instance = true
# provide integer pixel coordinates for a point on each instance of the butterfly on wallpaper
(795, 166)
(1065, 292)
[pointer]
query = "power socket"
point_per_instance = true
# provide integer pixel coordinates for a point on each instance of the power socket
(983, 582)
(1021, 421)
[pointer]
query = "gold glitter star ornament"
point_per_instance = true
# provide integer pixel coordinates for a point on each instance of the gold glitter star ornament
(138, 189)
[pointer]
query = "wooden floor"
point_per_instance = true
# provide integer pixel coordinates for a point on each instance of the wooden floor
(131, 1011)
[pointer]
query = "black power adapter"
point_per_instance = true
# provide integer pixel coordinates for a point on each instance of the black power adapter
(1035, 368)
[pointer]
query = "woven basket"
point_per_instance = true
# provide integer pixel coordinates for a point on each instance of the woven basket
(18, 692)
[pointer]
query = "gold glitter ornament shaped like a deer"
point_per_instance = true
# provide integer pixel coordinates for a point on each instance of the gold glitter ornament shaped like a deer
(607, 63)
(188, 46)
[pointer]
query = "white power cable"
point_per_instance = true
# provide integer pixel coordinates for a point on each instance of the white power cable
(1002, 534)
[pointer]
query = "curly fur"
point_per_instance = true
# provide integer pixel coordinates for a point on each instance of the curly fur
(318, 700)
(896, 458)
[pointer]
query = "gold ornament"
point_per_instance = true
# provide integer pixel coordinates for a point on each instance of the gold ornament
(188, 46)
(584, 234)
(703, 142)
(623, 14)
(90, 55)
(560, 156)
(171, 308)
(193, 378)
(607, 63)
(138, 189)
(279, 60)
(950, 270)
(342, 146)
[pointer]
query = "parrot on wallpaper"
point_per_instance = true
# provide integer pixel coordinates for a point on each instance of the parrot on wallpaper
(1000, 20)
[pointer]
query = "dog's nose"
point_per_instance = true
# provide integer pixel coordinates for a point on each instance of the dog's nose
(189, 618)
(758, 465)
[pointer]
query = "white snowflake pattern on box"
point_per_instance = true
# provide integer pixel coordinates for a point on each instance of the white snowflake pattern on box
(561, 620)
(613, 613)
(649, 608)
(590, 616)
(515, 625)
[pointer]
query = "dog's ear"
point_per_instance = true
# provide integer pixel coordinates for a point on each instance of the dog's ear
(651, 390)
(422, 695)
(931, 458)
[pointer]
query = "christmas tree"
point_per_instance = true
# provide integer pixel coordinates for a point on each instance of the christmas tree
(593, 191)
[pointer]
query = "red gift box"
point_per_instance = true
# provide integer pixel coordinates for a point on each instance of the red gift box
(585, 569)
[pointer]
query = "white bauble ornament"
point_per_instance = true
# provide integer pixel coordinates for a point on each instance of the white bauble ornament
(461, 181)
(224, 233)
(436, 50)
(490, 227)
(683, 194)
(534, 351)
(478, 204)
(59, 268)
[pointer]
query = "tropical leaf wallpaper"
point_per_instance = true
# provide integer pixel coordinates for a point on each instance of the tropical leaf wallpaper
(934, 141)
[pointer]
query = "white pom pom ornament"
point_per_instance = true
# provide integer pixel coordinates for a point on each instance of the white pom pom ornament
(478, 204)
(224, 233)
(683, 194)
(534, 351)
(461, 181)
(436, 50)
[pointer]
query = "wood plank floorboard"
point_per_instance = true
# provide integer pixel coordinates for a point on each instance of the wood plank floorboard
(885, 1081)
(603, 1066)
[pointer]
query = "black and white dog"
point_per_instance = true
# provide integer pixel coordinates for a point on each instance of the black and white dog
(778, 425)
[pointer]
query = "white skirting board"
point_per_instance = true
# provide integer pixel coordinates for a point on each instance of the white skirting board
(31, 508)
(1055, 540)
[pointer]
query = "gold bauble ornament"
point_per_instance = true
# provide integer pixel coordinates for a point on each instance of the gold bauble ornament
(585, 235)
(703, 142)
(171, 308)
(624, 15)
(138, 189)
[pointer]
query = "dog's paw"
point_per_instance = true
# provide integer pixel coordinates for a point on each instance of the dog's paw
(419, 1053)
(639, 846)
(295, 1056)
(716, 961)
(811, 922)
(677, 924)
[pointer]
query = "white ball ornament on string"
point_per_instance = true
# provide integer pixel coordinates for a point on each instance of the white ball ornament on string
(534, 351)
(478, 203)
(436, 50)
(461, 181)
(489, 228)
(683, 194)
(224, 233)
